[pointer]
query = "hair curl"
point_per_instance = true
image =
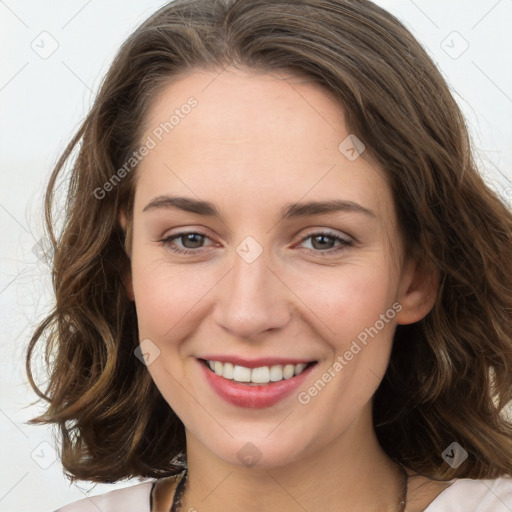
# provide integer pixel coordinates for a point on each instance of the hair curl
(449, 376)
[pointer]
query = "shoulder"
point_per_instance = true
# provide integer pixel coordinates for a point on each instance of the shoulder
(130, 499)
(493, 495)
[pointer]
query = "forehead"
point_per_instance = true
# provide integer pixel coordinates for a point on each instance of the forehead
(253, 132)
(247, 108)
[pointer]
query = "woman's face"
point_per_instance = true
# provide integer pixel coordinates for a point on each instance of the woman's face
(265, 281)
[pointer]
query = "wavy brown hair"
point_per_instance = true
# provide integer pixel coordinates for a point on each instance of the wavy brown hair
(450, 374)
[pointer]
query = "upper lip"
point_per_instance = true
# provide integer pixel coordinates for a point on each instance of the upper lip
(255, 363)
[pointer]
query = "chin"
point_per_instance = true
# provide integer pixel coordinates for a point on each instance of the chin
(260, 451)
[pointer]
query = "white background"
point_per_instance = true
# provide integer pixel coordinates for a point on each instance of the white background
(42, 103)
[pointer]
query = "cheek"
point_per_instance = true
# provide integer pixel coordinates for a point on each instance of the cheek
(348, 299)
(355, 306)
(169, 307)
(355, 317)
(166, 296)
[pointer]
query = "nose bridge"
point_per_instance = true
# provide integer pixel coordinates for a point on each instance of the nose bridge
(252, 298)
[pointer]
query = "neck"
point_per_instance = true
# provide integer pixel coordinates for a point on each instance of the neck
(351, 473)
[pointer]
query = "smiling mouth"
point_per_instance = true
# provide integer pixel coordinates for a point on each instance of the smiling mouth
(256, 376)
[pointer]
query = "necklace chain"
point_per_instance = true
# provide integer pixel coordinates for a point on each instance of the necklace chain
(176, 502)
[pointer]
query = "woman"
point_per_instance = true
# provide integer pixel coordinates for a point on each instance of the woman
(281, 283)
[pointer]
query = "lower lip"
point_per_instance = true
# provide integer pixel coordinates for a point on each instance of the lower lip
(254, 397)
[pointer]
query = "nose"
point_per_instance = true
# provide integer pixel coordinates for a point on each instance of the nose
(252, 299)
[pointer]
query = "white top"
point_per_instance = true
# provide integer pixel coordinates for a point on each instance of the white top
(469, 495)
(464, 495)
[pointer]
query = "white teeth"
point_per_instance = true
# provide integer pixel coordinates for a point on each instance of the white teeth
(260, 375)
(241, 374)
(299, 368)
(228, 371)
(276, 373)
(288, 371)
(218, 367)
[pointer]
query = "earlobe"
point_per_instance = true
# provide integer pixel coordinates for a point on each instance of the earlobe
(127, 230)
(127, 275)
(419, 286)
(122, 219)
(128, 285)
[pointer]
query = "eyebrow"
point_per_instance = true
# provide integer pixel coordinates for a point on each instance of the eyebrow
(289, 211)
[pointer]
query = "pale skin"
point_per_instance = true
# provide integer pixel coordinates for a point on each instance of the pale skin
(254, 143)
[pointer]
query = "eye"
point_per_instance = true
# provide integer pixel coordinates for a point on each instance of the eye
(323, 243)
(190, 240)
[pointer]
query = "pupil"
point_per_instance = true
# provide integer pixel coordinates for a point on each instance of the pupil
(322, 237)
(190, 238)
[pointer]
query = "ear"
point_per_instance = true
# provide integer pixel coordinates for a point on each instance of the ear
(127, 275)
(418, 291)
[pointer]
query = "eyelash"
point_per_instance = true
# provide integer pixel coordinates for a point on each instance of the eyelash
(166, 242)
